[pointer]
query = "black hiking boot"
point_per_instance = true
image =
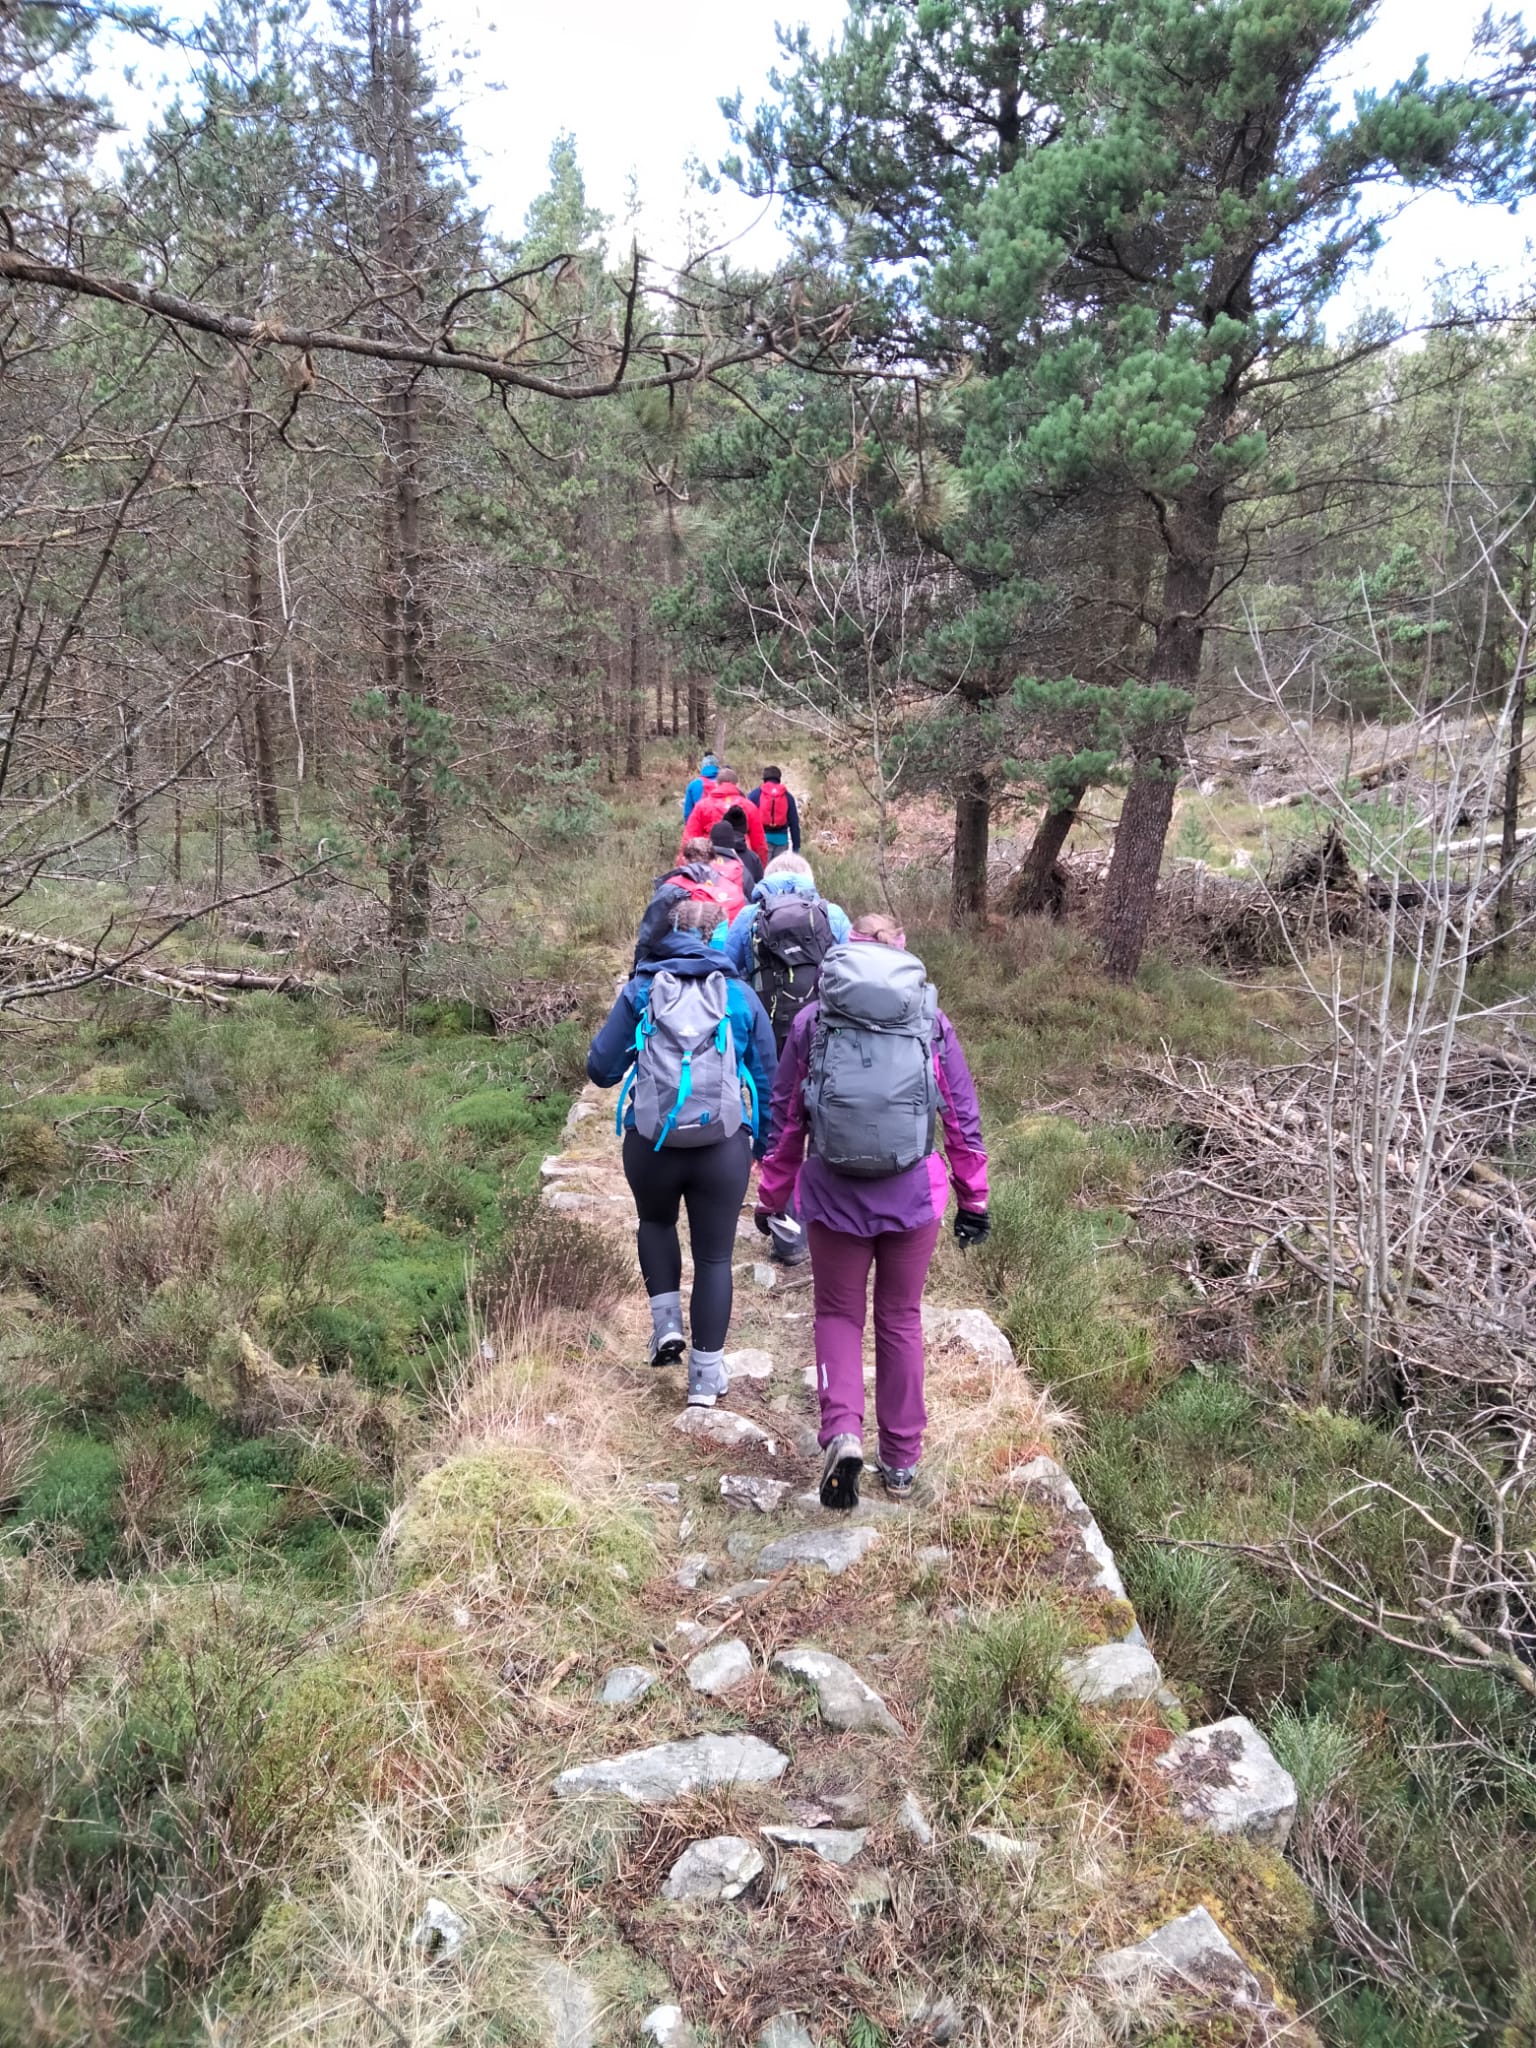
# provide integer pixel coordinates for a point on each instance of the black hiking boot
(840, 1469)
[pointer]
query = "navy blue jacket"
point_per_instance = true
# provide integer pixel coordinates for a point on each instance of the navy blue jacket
(687, 955)
(791, 823)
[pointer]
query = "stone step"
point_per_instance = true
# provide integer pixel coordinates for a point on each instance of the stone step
(843, 1699)
(1225, 1777)
(671, 1770)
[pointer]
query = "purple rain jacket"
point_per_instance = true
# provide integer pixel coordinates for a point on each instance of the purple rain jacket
(864, 1208)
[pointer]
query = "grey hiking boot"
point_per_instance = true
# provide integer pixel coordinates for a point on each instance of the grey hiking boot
(667, 1348)
(707, 1378)
(787, 1239)
(840, 1469)
(898, 1480)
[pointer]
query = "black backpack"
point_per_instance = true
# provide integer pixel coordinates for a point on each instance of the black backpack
(791, 936)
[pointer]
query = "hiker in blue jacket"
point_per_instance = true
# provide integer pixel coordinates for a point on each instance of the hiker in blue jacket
(709, 768)
(709, 1177)
(787, 874)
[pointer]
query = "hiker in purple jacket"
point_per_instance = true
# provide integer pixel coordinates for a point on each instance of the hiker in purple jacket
(855, 1220)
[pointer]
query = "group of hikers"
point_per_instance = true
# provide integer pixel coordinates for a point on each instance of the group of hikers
(761, 1027)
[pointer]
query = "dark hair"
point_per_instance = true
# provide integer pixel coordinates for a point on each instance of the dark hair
(736, 818)
(773, 775)
(694, 915)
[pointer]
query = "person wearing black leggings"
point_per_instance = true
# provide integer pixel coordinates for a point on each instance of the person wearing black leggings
(710, 1181)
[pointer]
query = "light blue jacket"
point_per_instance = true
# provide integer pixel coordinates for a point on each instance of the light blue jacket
(696, 789)
(738, 940)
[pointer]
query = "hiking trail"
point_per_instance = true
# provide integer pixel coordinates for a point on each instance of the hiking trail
(803, 1640)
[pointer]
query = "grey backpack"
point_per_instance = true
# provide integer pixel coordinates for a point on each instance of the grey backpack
(687, 1078)
(871, 1094)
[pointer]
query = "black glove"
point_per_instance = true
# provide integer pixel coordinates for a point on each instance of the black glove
(972, 1226)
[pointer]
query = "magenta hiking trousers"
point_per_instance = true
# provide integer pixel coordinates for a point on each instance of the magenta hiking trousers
(840, 1264)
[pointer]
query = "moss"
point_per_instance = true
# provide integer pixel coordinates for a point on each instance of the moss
(493, 1116)
(73, 1493)
(327, 1742)
(500, 1511)
(1251, 1891)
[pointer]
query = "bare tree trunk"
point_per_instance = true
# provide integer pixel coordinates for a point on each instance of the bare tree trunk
(128, 786)
(973, 826)
(1514, 766)
(409, 692)
(1035, 890)
(264, 803)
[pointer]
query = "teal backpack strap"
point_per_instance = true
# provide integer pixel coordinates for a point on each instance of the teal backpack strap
(642, 1032)
(684, 1090)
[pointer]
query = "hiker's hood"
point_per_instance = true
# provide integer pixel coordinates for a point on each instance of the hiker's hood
(785, 885)
(686, 954)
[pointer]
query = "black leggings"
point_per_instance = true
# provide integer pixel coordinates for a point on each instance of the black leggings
(712, 1180)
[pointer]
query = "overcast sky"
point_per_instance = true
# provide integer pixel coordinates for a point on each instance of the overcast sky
(638, 88)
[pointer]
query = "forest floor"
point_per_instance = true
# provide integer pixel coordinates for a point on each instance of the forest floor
(323, 1457)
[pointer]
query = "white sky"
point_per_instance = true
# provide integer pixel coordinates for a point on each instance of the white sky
(637, 86)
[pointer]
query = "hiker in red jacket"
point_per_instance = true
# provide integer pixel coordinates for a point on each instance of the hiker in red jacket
(778, 810)
(725, 794)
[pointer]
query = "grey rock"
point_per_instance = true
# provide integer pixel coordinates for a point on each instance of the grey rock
(666, 1492)
(665, 2025)
(580, 1110)
(744, 1589)
(694, 1567)
(834, 1550)
(938, 2017)
(440, 1932)
(671, 1770)
(1019, 1857)
(749, 1365)
(719, 1668)
(1112, 1675)
(722, 1426)
(746, 1490)
(741, 1544)
(764, 1275)
(625, 1684)
(1190, 1952)
(783, 2031)
(871, 1894)
(572, 2006)
(832, 1845)
(708, 1872)
(568, 1202)
(693, 1633)
(1044, 1475)
(843, 1699)
(972, 1328)
(913, 1822)
(1227, 1778)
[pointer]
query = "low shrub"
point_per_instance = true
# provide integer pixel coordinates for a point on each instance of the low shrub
(548, 1261)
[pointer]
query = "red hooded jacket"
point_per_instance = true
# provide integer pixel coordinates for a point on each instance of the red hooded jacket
(717, 799)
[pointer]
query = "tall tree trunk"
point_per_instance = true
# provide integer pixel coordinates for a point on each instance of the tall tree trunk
(1514, 775)
(264, 804)
(409, 693)
(634, 693)
(1131, 889)
(1035, 890)
(973, 828)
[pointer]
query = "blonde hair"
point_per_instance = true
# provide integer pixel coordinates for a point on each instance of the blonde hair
(885, 931)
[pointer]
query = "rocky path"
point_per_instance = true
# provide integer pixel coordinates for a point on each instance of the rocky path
(812, 1844)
